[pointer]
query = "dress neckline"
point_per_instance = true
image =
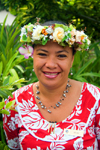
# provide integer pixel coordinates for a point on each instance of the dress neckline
(82, 89)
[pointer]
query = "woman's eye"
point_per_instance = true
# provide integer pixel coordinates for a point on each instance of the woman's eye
(62, 56)
(42, 54)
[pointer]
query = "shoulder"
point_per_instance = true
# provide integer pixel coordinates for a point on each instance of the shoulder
(21, 91)
(92, 90)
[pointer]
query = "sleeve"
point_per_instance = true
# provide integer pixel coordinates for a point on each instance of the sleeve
(97, 125)
(10, 126)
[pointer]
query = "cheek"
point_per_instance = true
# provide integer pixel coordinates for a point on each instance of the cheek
(38, 63)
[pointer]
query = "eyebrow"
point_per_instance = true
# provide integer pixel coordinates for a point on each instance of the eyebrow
(42, 50)
(60, 51)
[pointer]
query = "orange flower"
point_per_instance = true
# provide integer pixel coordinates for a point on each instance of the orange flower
(82, 37)
(44, 32)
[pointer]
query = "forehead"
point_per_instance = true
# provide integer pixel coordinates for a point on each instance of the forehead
(52, 47)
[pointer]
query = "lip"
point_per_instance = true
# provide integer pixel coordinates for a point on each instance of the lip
(51, 75)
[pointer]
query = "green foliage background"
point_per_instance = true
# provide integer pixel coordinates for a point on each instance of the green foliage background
(15, 71)
(84, 14)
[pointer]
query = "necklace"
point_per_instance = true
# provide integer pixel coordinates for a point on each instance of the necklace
(57, 104)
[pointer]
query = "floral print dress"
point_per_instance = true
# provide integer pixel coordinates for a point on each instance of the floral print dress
(26, 129)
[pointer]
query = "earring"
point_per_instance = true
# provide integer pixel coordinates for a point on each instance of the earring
(71, 73)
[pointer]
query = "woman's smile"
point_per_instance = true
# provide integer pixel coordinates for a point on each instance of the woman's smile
(51, 75)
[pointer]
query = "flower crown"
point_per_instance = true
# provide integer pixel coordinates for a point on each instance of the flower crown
(62, 34)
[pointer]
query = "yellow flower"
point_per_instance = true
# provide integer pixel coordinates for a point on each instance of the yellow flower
(37, 33)
(58, 34)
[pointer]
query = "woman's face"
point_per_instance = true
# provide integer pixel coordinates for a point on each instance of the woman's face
(52, 64)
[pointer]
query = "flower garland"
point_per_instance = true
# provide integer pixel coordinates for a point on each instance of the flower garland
(62, 34)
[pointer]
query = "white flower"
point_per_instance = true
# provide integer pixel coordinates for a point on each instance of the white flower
(21, 35)
(58, 34)
(51, 37)
(36, 35)
(45, 36)
(78, 36)
(30, 27)
(49, 30)
(88, 41)
(71, 41)
(23, 30)
(73, 32)
(66, 33)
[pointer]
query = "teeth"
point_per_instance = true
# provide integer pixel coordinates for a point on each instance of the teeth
(51, 73)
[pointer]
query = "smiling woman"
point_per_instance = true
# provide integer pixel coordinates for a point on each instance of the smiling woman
(52, 64)
(56, 112)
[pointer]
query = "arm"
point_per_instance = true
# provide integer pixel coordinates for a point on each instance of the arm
(97, 124)
(10, 126)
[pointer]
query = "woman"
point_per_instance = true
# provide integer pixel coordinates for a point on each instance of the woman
(56, 112)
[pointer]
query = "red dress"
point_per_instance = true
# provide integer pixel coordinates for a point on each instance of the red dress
(28, 130)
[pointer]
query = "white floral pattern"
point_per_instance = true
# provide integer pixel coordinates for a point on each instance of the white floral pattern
(78, 144)
(27, 107)
(94, 91)
(29, 123)
(13, 143)
(34, 121)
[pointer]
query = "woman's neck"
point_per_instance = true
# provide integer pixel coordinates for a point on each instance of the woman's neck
(51, 93)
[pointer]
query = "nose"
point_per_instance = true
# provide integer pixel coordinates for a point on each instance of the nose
(51, 62)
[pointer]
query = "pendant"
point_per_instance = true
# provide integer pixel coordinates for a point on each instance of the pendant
(64, 95)
(57, 105)
(49, 111)
(38, 97)
(42, 106)
(37, 92)
(51, 127)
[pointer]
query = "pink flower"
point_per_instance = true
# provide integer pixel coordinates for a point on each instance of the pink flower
(27, 51)
(79, 43)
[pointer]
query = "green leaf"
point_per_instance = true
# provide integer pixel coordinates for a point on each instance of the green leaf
(24, 38)
(6, 147)
(10, 104)
(84, 67)
(18, 81)
(1, 67)
(80, 79)
(18, 60)
(91, 74)
(4, 111)
(20, 68)
(2, 30)
(65, 37)
(6, 81)
(44, 41)
(97, 51)
(8, 92)
(2, 104)
(3, 94)
(9, 64)
(11, 42)
(14, 73)
(2, 49)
